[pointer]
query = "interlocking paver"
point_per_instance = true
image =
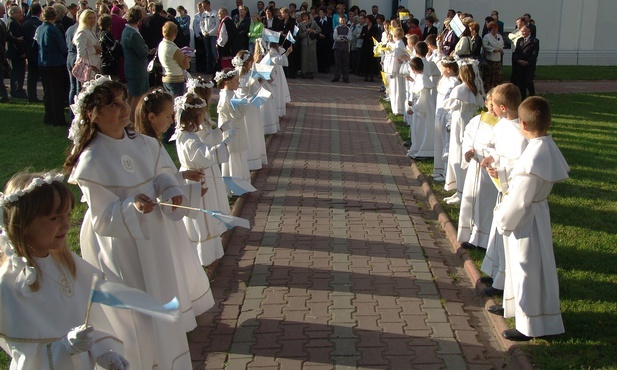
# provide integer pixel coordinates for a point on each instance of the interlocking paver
(340, 269)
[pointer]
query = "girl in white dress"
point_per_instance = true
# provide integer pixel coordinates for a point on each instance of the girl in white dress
(247, 87)
(392, 67)
(278, 58)
(465, 100)
(421, 110)
(125, 232)
(233, 117)
(269, 110)
(44, 288)
(196, 154)
(153, 117)
(449, 79)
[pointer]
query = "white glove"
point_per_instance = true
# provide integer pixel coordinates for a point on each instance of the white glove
(230, 134)
(112, 361)
(78, 339)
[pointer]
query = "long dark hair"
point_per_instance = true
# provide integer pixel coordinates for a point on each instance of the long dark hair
(153, 102)
(103, 95)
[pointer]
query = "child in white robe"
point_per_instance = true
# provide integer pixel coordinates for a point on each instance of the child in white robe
(248, 87)
(392, 69)
(231, 117)
(153, 117)
(506, 146)
(406, 70)
(421, 109)
(269, 110)
(479, 193)
(449, 79)
(531, 292)
(195, 154)
(44, 287)
(465, 100)
(125, 232)
(278, 57)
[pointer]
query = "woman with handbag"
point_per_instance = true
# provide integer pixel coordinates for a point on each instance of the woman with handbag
(88, 48)
(135, 52)
(309, 30)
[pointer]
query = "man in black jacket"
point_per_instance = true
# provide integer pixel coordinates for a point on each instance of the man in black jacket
(32, 49)
(524, 60)
(16, 52)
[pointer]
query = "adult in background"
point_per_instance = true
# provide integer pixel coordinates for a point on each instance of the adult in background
(135, 51)
(255, 31)
(342, 39)
(429, 27)
(86, 42)
(173, 61)
(476, 41)
(493, 51)
(324, 41)
(209, 29)
(524, 60)
(198, 39)
(530, 24)
(414, 28)
(4, 35)
(227, 39)
(184, 34)
(235, 13)
(287, 25)
(70, 60)
(52, 65)
(110, 48)
(60, 14)
(356, 42)
(271, 22)
(447, 38)
(67, 21)
(308, 33)
(16, 52)
(32, 50)
(370, 64)
(243, 23)
(152, 26)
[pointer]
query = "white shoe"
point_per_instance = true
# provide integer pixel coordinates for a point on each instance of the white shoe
(453, 201)
(450, 197)
(439, 178)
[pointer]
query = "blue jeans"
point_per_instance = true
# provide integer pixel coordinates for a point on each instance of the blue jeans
(174, 88)
(210, 44)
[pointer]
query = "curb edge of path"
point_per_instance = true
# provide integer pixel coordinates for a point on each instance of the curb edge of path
(518, 357)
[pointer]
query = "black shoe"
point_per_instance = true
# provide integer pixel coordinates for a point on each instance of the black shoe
(346, 81)
(486, 280)
(491, 292)
(407, 144)
(495, 310)
(366, 78)
(515, 335)
(334, 80)
(467, 245)
(310, 76)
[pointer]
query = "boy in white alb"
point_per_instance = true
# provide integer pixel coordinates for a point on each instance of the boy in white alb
(449, 79)
(532, 289)
(421, 109)
(506, 146)
(392, 68)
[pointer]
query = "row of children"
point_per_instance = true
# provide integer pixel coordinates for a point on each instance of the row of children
(502, 170)
(145, 226)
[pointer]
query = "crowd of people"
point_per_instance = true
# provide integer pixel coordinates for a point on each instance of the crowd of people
(157, 228)
(500, 164)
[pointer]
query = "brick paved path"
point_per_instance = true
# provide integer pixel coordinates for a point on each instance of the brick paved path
(343, 266)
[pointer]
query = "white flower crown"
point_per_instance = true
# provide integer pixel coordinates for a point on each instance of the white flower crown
(220, 75)
(35, 183)
(87, 89)
(194, 83)
(27, 273)
(239, 61)
(154, 92)
(180, 105)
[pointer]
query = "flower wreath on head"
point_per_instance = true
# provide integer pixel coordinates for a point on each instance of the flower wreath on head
(194, 83)
(220, 75)
(474, 63)
(238, 61)
(180, 105)
(86, 89)
(27, 273)
(154, 92)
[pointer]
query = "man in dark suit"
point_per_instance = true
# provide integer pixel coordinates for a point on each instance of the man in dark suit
(524, 60)
(235, 14)
(324, 41)
(32, 50)
(152, 27)
(16, 52)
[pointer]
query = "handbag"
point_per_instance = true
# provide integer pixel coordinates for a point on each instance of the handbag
(83, 71)
(155, 65)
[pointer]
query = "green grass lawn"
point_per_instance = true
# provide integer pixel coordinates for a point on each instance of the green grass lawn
(584, 214)
(570, 73)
